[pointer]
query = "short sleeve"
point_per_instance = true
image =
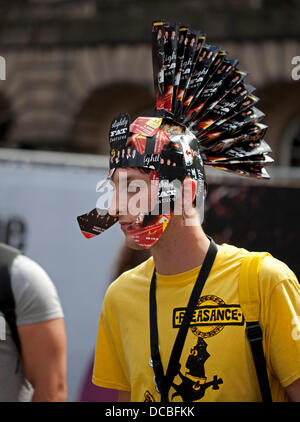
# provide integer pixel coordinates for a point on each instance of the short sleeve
(35, 295)
(110, 369)
(282, 321)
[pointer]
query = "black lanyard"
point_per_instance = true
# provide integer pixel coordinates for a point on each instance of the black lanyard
(164, 382)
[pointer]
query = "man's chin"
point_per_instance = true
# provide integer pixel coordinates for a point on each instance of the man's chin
(130, 243)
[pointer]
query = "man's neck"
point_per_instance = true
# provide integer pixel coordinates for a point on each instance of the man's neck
(180, 248)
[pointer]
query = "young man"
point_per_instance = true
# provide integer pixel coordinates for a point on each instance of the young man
(173, 328)
(33, 340)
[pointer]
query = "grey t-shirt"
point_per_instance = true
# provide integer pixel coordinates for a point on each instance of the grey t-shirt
(36, 300)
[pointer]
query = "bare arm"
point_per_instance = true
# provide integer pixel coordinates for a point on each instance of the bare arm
(43, 348)
(293, 391)
(124, 396)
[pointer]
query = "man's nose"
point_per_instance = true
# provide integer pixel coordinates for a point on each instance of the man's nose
(112, 210)
(118, 204)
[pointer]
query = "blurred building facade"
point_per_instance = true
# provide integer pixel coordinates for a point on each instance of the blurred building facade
(71, 65)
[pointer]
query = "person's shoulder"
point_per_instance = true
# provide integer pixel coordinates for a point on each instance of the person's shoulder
(276, 271)
(230, 255)
(270, 266)
(35, 294)
(232, 250)
(138, 275)
(27, 272)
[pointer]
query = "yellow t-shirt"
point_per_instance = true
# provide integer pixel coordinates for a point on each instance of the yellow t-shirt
(216, 361)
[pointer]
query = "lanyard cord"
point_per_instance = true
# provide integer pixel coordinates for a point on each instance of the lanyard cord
(164, 382)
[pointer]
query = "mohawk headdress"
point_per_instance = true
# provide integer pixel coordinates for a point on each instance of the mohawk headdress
(205, 113)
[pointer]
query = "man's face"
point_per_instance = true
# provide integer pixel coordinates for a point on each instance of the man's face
(134, 195)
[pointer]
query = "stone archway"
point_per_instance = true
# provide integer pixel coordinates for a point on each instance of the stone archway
(290, 143)
(91, 125)
(280, 103)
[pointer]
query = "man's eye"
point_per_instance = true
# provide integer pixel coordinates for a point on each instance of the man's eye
(133, 187)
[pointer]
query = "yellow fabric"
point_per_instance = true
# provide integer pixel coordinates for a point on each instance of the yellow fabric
(248, 285)
(216, 362)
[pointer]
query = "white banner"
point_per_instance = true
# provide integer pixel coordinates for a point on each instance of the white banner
(40, 198)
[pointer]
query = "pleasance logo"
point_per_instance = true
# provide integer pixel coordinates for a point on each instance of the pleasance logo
(211, 312)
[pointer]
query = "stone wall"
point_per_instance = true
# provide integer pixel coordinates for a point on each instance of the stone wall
(62, 89)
